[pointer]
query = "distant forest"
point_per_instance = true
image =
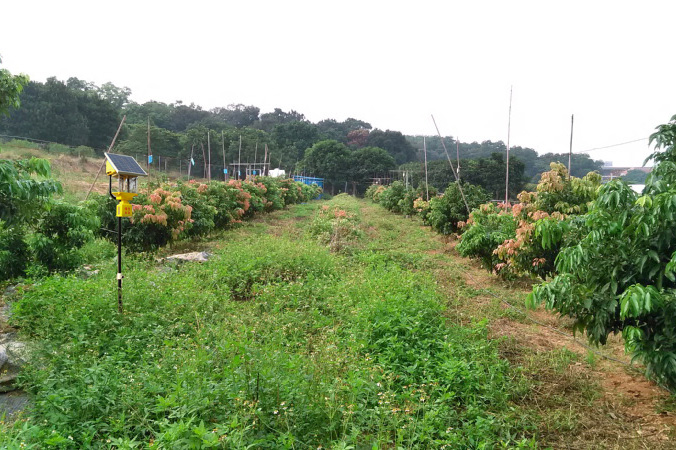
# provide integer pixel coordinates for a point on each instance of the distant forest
(76, 112)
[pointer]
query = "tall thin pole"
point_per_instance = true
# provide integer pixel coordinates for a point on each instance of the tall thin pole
(427, 187)
(192, 150)
(209, 147)
(204, 161)
(225, 175)
(255, 155)
(462, 193)
(265, 160)
(509, 129)
(239, 162)
(457, 155)
(149, 151)
(570, 151)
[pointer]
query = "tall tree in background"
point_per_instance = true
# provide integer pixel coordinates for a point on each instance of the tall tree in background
(268, 121)
(70, 113)
(10, 90)
(368, 162)
(394, 142)
(329, 159)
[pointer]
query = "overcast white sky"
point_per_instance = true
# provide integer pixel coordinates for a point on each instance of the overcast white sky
(390, 63)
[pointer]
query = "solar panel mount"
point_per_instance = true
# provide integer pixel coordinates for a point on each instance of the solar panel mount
(125, 165)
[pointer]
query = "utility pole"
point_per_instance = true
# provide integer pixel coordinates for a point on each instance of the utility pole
(509, 129)
(570, 150)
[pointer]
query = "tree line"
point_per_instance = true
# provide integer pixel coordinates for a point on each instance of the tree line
(76, 112)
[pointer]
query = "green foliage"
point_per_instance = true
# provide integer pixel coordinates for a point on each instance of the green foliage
(62, 230)
(619, 275)
(72, 113)
(374, 192)
(10, 90)
(21, 194)
(368, 161)
(392, 195)
(449, 209)
(635, 176)
(394, 143)
(14, 252)
(537, 229)
(190, 210)
(487, 228)
(328, 159)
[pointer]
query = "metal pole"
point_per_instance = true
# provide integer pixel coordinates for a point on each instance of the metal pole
(119, 250)
(119, 265)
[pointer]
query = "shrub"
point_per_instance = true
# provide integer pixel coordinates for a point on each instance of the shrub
(63, 229)
(392, 195)
(620, 275)
(488, 226)
(59, 148)
(158, 219)
(374, 192)
(449, 209)
(14, 252)
(203, 214)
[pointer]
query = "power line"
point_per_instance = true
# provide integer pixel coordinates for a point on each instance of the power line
(611, 146)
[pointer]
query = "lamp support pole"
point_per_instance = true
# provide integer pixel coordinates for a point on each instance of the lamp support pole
(119, 250)
(119, 265)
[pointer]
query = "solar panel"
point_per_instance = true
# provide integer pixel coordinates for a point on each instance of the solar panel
(125, 165)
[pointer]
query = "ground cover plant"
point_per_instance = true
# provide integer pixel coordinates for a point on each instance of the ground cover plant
(270, 344)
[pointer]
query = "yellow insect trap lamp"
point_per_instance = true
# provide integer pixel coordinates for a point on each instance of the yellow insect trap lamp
(126, 170)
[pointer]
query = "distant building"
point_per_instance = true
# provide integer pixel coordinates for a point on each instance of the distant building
(277, 172)
(607, 164)
(611, 172)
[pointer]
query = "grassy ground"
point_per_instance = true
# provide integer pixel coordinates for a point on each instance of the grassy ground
(277, 342)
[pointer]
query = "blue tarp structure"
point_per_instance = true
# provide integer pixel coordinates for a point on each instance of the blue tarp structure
(310, 181)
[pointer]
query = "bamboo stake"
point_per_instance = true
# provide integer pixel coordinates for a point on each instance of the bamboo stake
(457, 154)
(104, 159)
(509, 130)
(192, 150)
(427, 187)
(204, 159)
(462, 193)
(209, 147)
(149, 151)
(239, 162)
(570, 151)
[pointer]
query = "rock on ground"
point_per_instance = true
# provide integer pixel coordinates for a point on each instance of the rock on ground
(192, 256)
